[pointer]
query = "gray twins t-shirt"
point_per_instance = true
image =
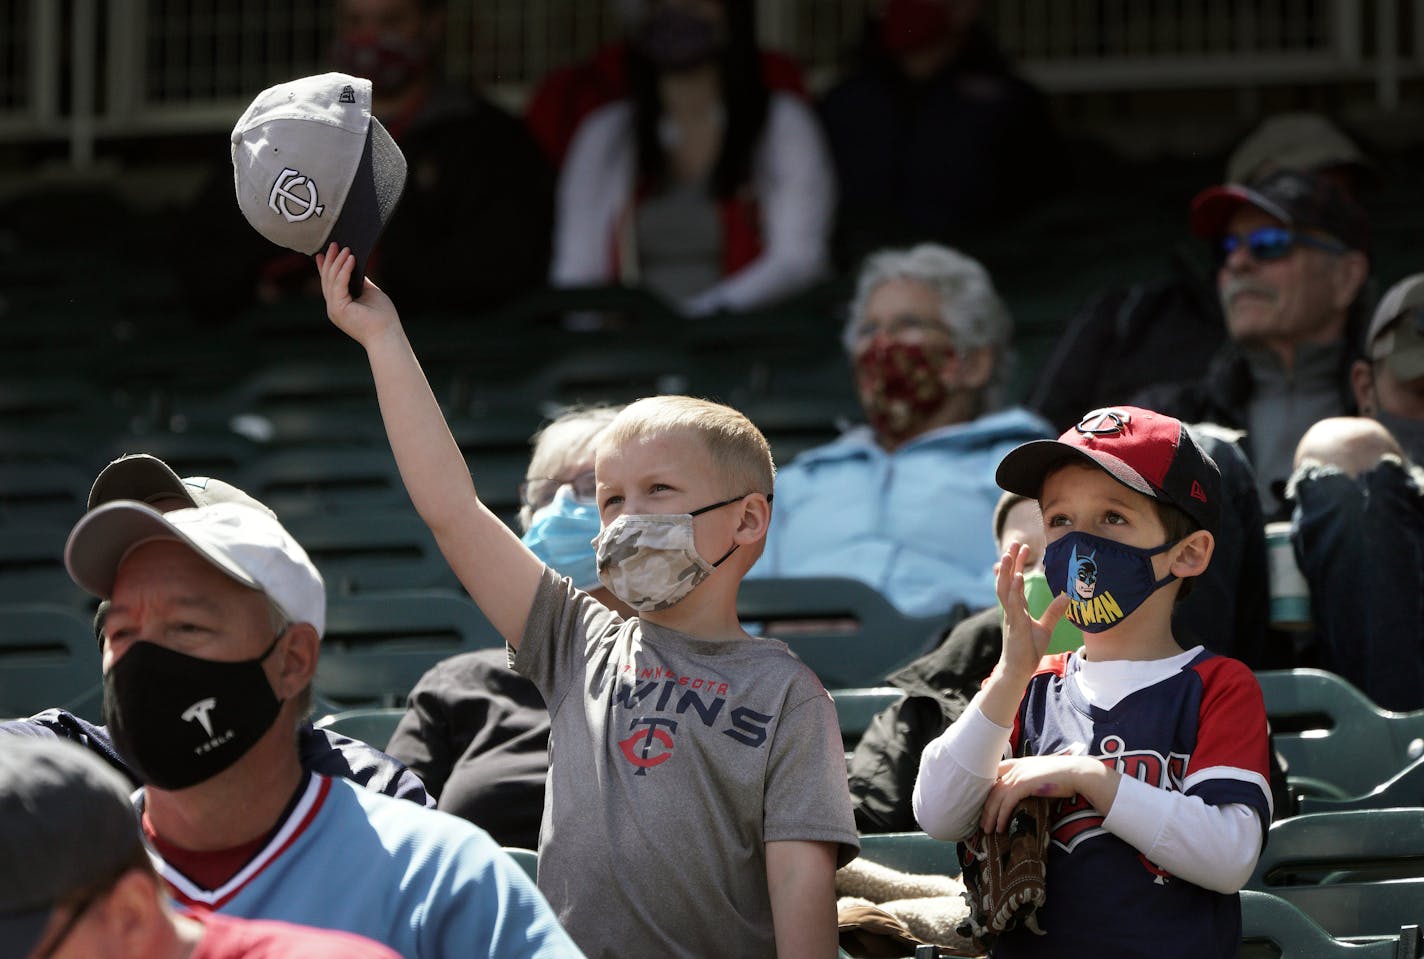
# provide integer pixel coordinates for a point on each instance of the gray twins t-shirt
(672, 761)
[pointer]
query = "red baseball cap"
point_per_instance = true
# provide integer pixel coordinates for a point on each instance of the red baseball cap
(1143, 450)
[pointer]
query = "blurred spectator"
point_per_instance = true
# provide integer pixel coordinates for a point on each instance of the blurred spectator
(478, 190)
(1128, 338)
(934, 135)
(1358, 533)
(210, 649)
(77, 881)
(1293, 259)
(889, 503)
(475, 731)
(701, 186)
(149, 480)
(1389, 381)
(568, 94)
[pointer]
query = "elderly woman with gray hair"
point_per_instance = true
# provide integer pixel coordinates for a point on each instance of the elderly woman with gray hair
(904, 502)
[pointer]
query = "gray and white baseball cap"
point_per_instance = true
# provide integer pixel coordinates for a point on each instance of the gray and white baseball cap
(312, 166)
(148, 479)
(246, 544)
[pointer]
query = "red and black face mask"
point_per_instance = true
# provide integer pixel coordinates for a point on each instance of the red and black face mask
(901, 385)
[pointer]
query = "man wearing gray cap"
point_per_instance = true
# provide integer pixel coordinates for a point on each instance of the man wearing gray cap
(1389, 382)
(147, 479)
(76, 880)
(1358, 520)
(210, 644)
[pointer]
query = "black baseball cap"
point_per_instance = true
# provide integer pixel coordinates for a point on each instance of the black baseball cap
(66, 825)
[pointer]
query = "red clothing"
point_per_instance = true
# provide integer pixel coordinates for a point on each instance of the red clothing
(566, 95)
(225, 937)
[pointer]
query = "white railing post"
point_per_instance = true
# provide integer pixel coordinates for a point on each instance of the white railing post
(123, 87)
(1387, 55)
(83, 47)
(44, 64)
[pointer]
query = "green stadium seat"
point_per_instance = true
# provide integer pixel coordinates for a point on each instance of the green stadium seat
(338, 480)
(48, 657)
(1272, 927)
(843, 629)
(386, 550)
(378, 645)
(32, 568)
(911, 852)
(1336, 742)
(43, 493)
(373, 725)
(1355, 873)
(527, 859)
(857, 707)
(1404, 788)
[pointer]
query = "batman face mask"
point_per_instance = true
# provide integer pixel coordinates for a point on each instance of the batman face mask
(1105, 580)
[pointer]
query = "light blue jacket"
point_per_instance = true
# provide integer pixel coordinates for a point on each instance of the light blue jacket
(425, 883)
(915, 523)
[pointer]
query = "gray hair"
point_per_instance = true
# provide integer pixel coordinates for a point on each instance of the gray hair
(563, 442)
(969, 305)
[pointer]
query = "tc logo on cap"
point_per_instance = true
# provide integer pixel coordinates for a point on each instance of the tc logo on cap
(1104, 422)
(282, 199)
(348, 94)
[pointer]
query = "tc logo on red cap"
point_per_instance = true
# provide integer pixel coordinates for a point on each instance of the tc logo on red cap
(1104, 422)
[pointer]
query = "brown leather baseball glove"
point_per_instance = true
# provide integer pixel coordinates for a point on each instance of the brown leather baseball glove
(1004, 874)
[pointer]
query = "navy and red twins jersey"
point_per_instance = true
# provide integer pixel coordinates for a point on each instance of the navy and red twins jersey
(1201, 732)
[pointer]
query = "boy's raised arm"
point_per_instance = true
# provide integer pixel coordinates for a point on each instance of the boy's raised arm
(499, 572)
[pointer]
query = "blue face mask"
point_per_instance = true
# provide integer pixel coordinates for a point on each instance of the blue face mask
(562, 533)
(1105, 580)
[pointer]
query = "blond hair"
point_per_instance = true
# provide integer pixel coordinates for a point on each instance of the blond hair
(739, 451)
(563, 443)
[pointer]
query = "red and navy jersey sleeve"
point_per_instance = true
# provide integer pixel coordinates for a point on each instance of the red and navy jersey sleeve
(1048, 666)
(1231, 761)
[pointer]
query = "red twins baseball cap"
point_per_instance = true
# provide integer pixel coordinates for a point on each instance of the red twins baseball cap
(1143, 450)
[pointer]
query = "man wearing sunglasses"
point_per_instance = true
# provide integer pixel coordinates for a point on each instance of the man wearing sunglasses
(1292, 253)
(76, 880)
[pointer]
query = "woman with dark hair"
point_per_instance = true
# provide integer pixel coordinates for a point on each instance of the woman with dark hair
(701, 185)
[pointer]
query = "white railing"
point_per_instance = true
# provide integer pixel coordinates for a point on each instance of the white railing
(80, 70)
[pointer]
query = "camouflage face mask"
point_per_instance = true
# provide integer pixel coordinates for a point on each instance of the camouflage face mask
(650, 561)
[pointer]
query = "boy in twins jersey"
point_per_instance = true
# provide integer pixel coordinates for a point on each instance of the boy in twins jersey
(1156, 756)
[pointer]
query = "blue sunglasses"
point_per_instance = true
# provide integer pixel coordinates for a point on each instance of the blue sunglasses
(1275, 242)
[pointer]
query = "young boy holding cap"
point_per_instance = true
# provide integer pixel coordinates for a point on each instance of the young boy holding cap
(697, 801)
(1156, 756)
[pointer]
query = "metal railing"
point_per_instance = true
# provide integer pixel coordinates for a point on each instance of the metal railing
(82, 70)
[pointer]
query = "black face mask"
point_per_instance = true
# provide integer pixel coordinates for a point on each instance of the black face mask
(179, 720)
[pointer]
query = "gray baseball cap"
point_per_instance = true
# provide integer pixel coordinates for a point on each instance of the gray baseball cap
(146, 478)
(311, 166)
(247, 545)
(1395, 335)
(1294, 141)
(66, 825)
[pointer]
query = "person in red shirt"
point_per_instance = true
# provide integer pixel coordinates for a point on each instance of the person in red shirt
(76, 880)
